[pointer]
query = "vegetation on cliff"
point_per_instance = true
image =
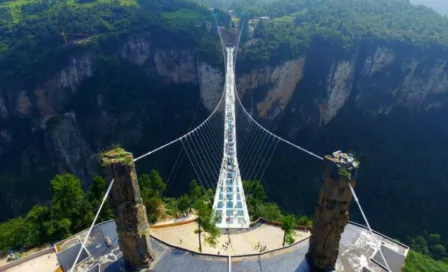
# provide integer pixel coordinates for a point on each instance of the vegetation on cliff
(417, 262)
(295, 23)
(35, 36)
(70, 211)
(430, 244)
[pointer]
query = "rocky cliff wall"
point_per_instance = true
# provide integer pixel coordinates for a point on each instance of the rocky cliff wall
(42, 131)
(375, 78)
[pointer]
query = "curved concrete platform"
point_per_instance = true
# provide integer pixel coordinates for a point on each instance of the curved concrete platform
(357, 253)
(254, 240)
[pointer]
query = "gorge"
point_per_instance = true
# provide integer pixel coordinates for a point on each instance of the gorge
(133, 83)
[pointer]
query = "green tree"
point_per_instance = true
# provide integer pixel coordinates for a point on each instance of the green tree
(152, 187)
(417, 262)
(195, 191)
(271, 211)
(255, 190)
(88, 213)
(304, 221)
(67, 201)
(184, 204)
(95, 197)
(438, 251)
(144, 183)
(157, 184)
(255, 197)
(35, 222)
(11, 234)
(97, 189)
(154, 208)
(433, 238)
(206, 220)
(58, 228)
(288, 224)
(419, 244)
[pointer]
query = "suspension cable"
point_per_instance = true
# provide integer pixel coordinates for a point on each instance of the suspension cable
(266, 166)
(262, 156)
(177, 166)
(269, 161)
(197, 162)
(180, 151)
(183, 136)
(255, 157)
(217, 134)
(192, 164)
(214, 156)
(209, 143)
(254, 147)
(203, 156)
(93, 224)
(250, 116)
(368, 225)
(272, 134)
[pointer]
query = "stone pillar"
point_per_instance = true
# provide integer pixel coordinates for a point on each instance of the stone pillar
(129, 211)
(331, 215)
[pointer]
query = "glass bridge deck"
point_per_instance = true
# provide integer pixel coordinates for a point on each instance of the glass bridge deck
(230, 203)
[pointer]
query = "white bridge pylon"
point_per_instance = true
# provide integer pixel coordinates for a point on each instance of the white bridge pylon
(230, 202)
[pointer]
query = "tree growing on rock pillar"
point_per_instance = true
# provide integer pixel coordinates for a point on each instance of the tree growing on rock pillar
(129, 211)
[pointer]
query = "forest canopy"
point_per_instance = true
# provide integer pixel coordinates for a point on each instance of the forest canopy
(32, 46)
(293, 24)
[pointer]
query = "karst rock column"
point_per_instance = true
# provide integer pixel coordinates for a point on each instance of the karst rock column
(129, 211)
(331, 215)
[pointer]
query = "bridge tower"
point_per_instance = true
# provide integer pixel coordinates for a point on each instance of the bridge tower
(230, 202)
(331, 215)
(129, 211)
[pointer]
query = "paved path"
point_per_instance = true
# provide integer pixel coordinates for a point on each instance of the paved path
(45, 263)
(250, 242)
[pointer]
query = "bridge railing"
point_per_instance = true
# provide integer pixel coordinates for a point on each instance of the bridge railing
(278, 224)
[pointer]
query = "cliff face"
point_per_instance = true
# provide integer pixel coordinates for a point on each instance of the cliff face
(279, 82)
(43, 132)
(374, 78)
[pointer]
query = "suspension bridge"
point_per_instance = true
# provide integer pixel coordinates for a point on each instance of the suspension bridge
(227, 147)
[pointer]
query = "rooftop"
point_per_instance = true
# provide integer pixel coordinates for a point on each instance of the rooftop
(357, 251)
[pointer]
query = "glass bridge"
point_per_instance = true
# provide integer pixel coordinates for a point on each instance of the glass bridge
(230, 203)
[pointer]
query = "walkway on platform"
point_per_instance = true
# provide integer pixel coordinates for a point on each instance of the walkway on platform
(260, 238)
